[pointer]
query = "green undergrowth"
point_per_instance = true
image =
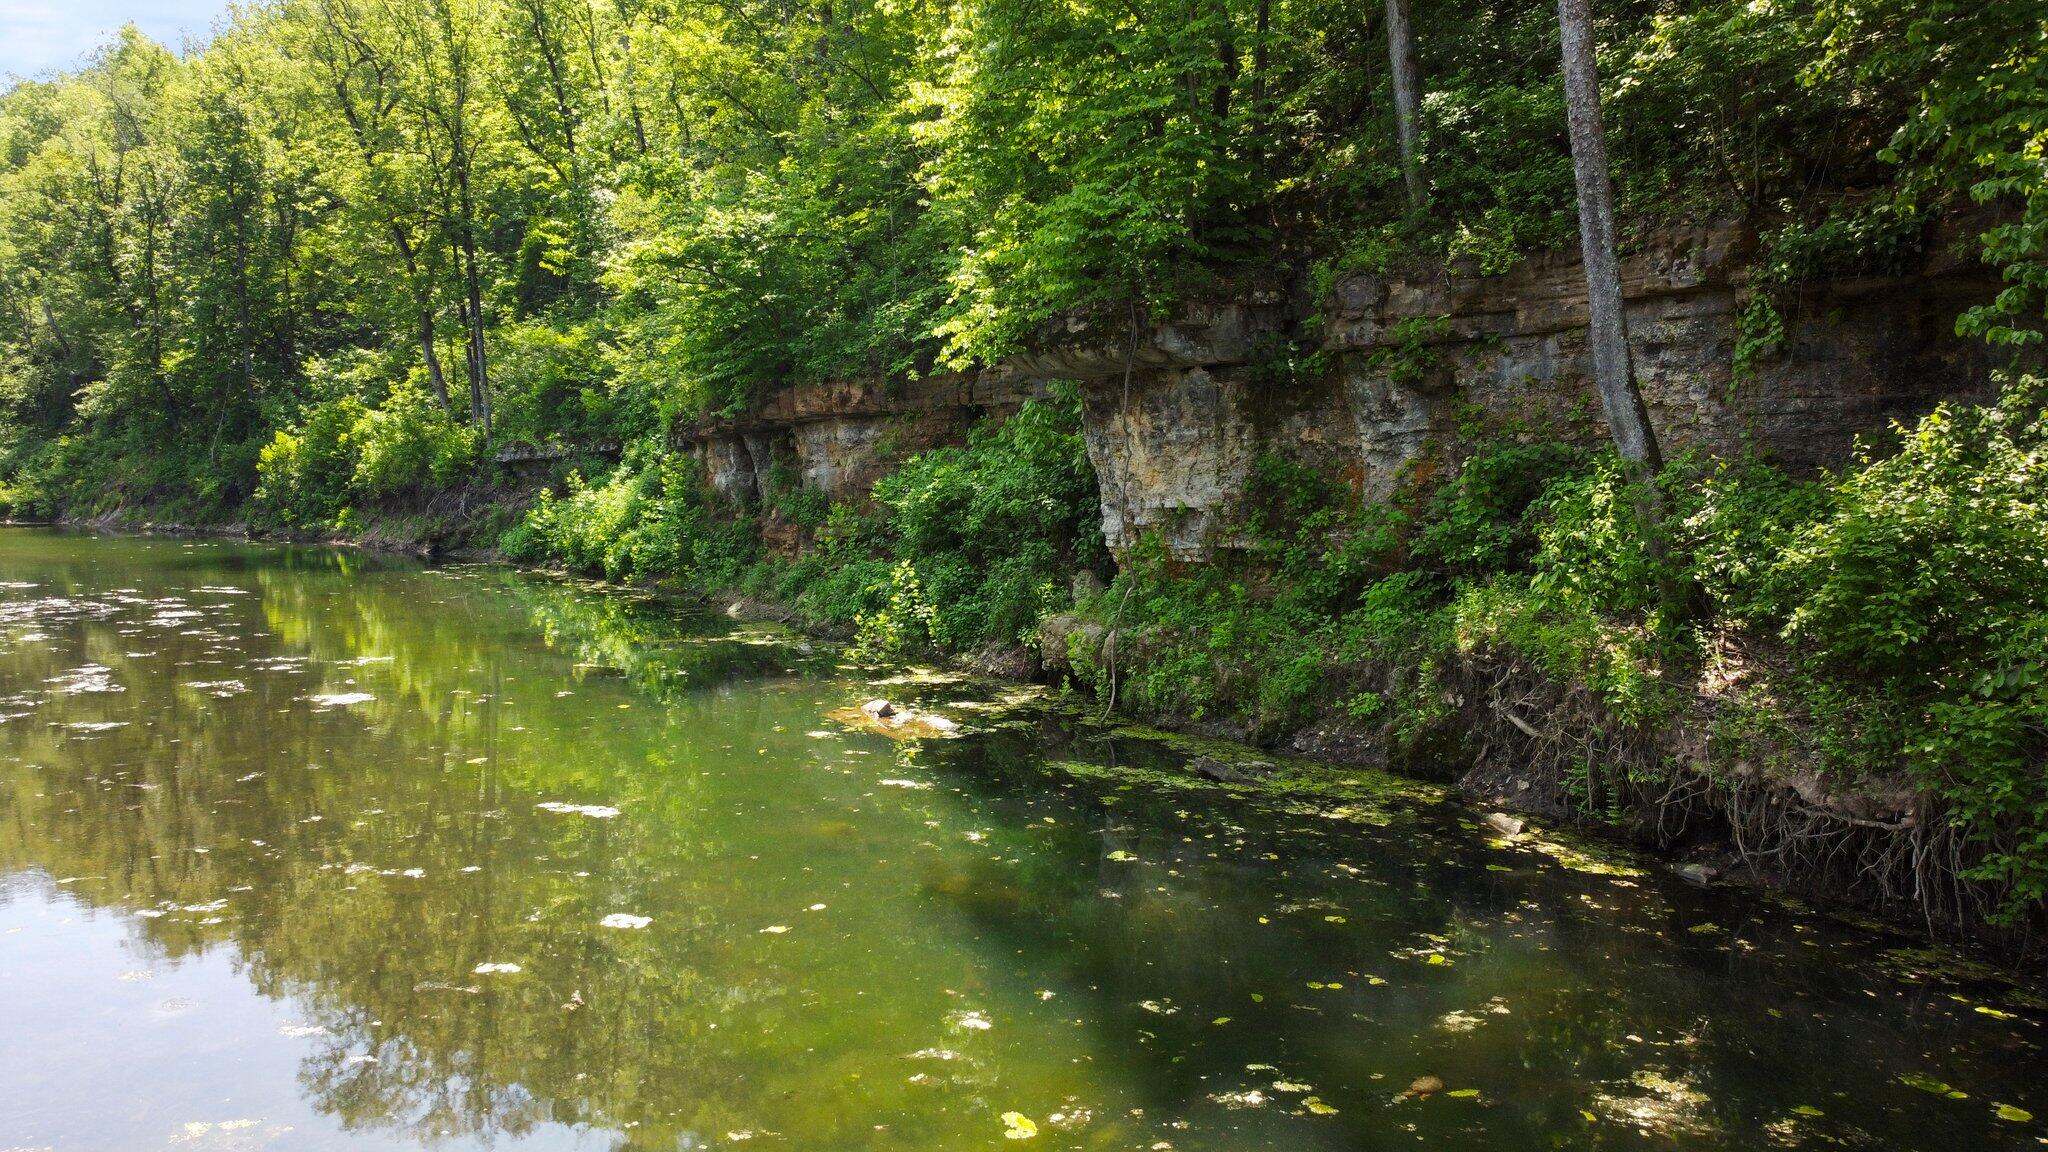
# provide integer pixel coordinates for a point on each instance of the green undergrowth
(960, 548)
(1905, 598)
(92, 477)
(1355, 610)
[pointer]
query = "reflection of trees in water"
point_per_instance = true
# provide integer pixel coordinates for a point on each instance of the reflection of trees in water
(695, 1023)
(658, 645)
(265, 802)
(396, 1087)
(311, 816)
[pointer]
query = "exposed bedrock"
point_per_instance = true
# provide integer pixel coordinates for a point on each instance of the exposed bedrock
(1377, 387)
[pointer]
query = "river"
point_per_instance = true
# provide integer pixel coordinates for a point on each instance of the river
(307, 849)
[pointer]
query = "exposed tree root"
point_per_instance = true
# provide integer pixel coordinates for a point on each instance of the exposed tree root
(1540, 744)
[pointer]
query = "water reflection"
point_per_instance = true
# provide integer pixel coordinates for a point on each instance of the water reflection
(307, 849)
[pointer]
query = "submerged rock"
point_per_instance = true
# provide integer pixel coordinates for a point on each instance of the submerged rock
(1700, 874)
(906, 723)
(1424, 1086)
(1241, 772)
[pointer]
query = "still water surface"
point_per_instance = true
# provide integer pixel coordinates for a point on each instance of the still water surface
(306, 850)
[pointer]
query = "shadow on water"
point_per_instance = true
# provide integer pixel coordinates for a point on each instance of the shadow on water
(460, 857)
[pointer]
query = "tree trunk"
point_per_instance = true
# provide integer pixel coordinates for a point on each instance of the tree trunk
(435, 376)
(1263, 26)
(1407, 98)
(243, 323)
(1627, 419)
(473, 317)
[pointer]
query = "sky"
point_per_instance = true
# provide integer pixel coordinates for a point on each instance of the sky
(38, 36)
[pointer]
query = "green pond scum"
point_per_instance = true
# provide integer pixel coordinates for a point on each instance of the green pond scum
(305, 849)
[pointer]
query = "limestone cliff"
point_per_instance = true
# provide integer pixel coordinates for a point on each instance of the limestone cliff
(1375, 381)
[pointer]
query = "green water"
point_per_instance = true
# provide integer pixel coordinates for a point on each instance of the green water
(305, 850)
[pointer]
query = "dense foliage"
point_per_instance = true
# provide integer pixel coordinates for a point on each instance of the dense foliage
(963, 547)
(569, 221)
(1909, 594)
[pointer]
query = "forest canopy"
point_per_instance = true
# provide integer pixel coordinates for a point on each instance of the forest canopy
(375, 239)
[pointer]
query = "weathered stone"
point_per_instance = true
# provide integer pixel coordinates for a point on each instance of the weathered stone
(1060, 633)
(906, 724)
(1170, 455)
(1701, 875)
(1175, 419)
(730, 468)
(1224, 772)
(1424, 1086)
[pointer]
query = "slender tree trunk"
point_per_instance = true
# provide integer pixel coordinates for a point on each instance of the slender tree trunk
(435, 376)
(1232, 64)
(243, 322)
(1627, 419)
(285, 342)
(1262, 26)
(473, 317)
(629, 85)
(56, 330)
(153, 311)
(72, 375)
(1407, 98)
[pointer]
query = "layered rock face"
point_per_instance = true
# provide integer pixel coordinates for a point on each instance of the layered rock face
(1381, 382)
(839, 438)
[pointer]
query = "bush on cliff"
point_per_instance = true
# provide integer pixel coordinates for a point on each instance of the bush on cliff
(651, 519)
(1919, 604)
(962, 547)
(988, 537)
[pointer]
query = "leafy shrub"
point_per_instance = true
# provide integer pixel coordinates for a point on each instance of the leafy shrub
(303, 476)
(344, 451)
(1596, 544)
(1734, 525)
(652, 518)
(1477, 523)
(1934, 551)
(553, 384)
(1922, 600)
(407, 444)
(988, 535)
